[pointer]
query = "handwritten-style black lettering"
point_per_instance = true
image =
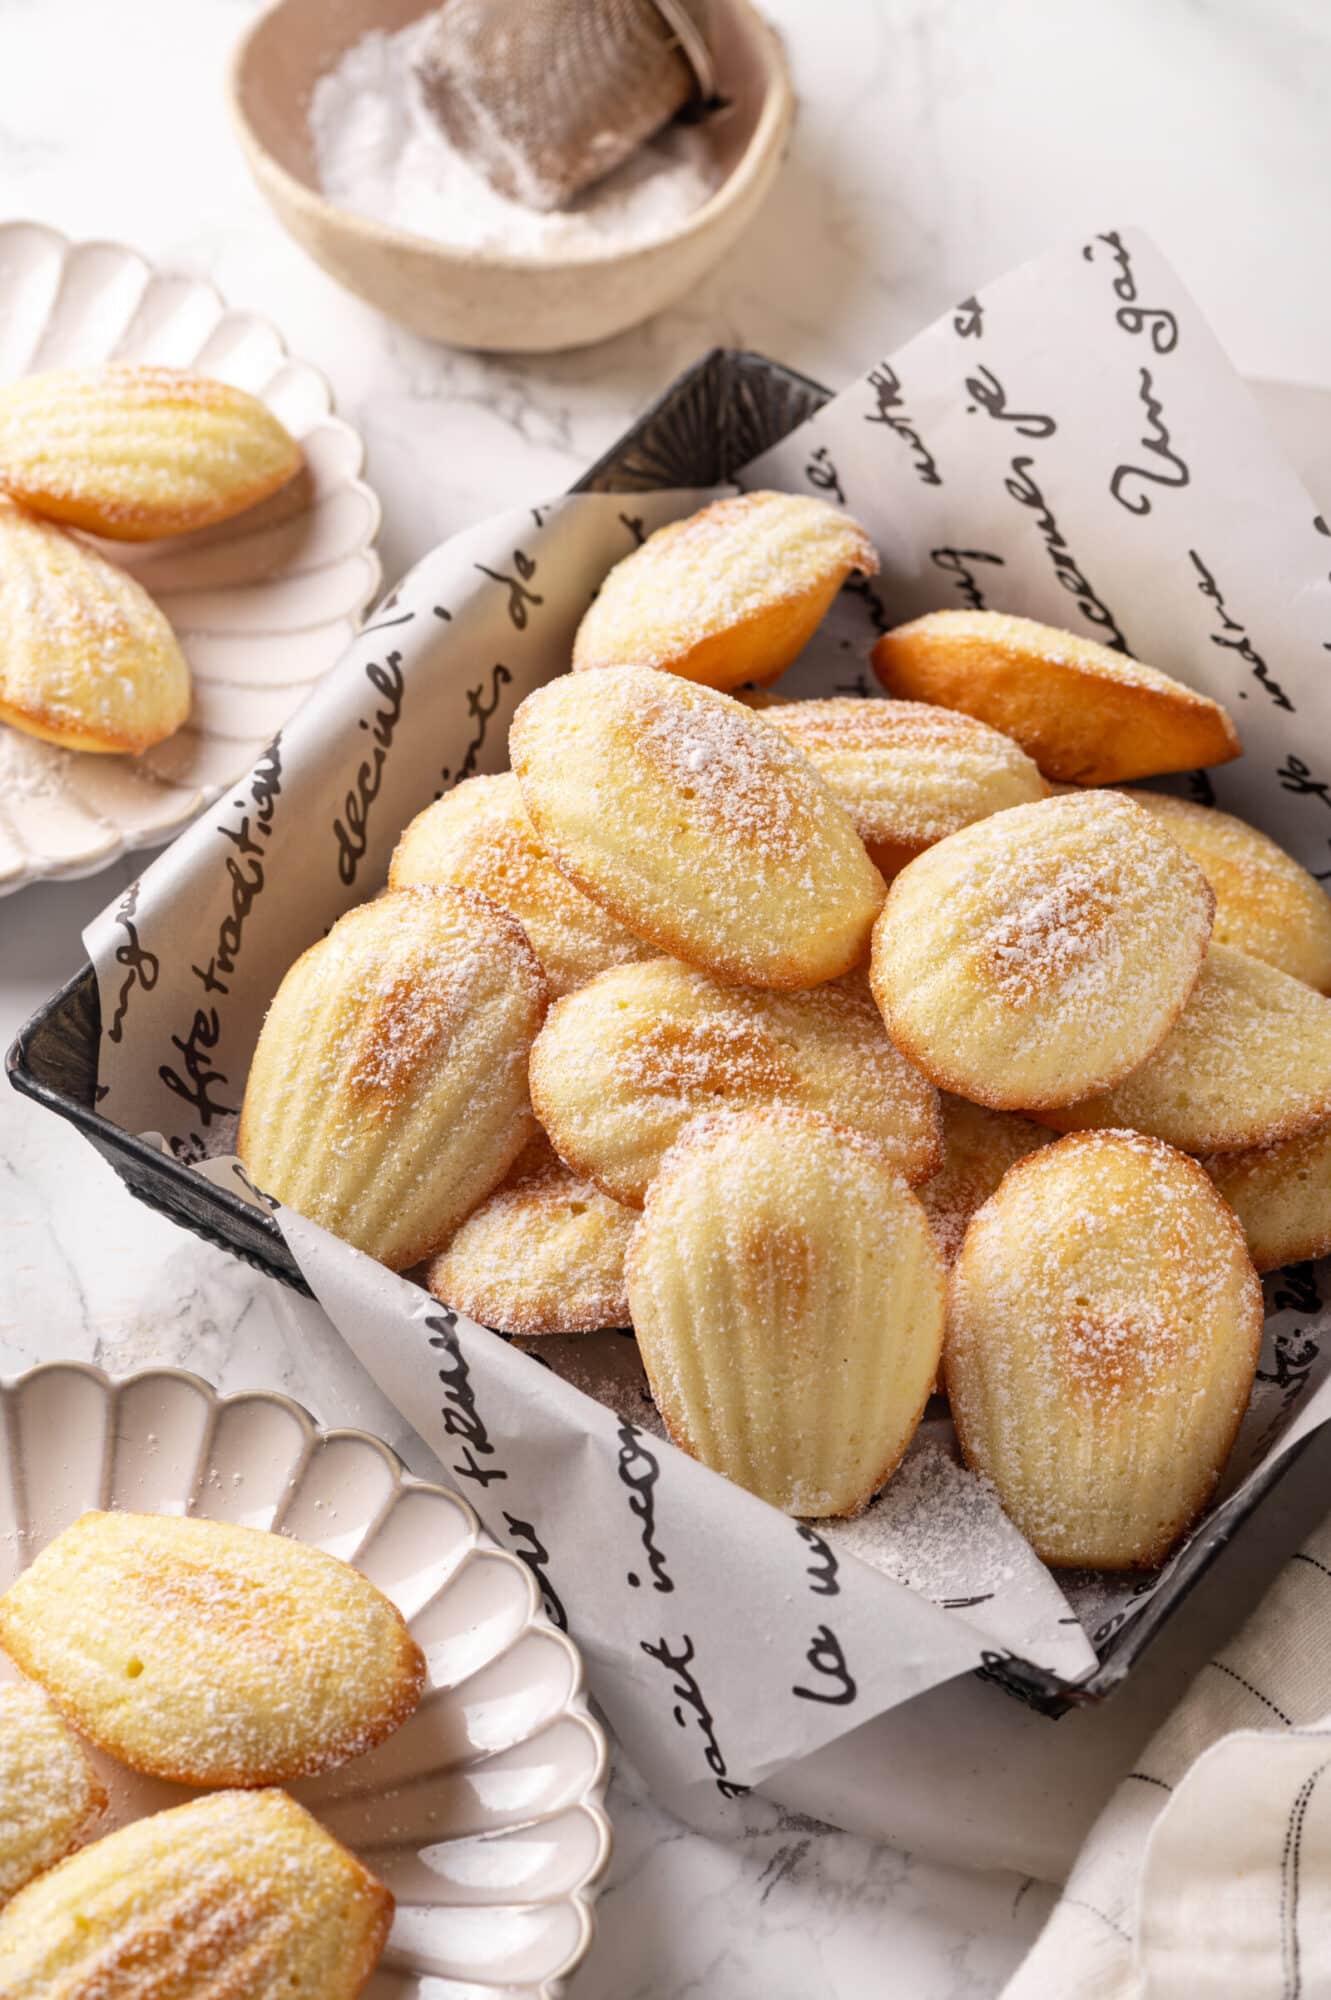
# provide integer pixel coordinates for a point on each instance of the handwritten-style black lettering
(1025, 489)
(196, 1085)
(827, 1659)
(886, 385)
(639, 1469)
(958, 563)
(1233, 637)
(1157, 322)
(351, 827)
(968, 320)
(536, 1556)
(142, 966)
(822, 1571)
(1167, 468)
(991, 397)
(462, 1418)
(636, 526)
(481, 710)
(519, 596)
(677, 1660)
(821, 472)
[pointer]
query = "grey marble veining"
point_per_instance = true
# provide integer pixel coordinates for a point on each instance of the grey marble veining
(937, 144)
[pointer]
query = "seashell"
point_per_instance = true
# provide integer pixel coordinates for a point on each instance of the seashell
(1265, 904)
(621, 1067)
(134, 452)
(86, 658)
(210, 1654)
(240, 1895)
(1086, 714)
(1247, 1063)
(909, 774)
(1040, 948)
(787, 1296)
(1281, 1195)
(979, 1146)
(50, 1796)
(388, 1092)
(478, 836)
(696, 825)
(543, 1255)
(1104, 1323)
(728, 595)
(546, 96)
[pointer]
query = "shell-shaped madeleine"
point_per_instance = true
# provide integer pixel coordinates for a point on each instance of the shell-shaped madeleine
(86, 658)
(1281, 1195)
(1042, 947)
(478, 836)
(979, 1146)
(731, 594)
(695, 824)
(787, 1296)
(1104, 1323)
(908, 773)
(544, 1254)
(1086, 714)
(50, 1795)
(1265, 903)
(621, 1067)
(1247, 1063)
(133, 451)
(211, 1654)
(241, 1895)
(388, 1092)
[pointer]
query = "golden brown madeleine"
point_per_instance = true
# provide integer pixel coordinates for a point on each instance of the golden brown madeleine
(388, 1092)
(211, 1654)
(241, 1896)
(86, 658)
(1104, 1323)
(50, 1796)
(544, 1254)
(695, 824)
(978, 1148)
(134, 452)
(1281, 1195)
(621, 1067)
(1083, 712)
(478, 836)
(787, 1295)
(908, 774)
(1046, 945)
(1247, 1063)
(731, 594)
(1265, 904)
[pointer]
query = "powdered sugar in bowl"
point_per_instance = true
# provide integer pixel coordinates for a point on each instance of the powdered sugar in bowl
(326, 113)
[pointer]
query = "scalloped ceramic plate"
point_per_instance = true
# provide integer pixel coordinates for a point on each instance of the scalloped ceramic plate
(484, 1812)
(263, 605)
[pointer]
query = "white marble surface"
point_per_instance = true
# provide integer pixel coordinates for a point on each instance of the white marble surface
(938, 143)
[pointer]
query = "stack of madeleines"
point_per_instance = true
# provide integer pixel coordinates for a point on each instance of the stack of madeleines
(640, 1034)
(206, 1655)
(130, 454)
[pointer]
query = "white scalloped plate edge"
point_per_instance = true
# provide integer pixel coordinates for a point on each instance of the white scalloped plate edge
(23, 859)
(69, 1486)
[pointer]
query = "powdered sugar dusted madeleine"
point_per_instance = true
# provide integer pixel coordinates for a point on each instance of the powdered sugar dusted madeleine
(86, 658)
(50, 1796)
(907, 773)
(241, 1896)
(388, 1092)
(544, 1254)
(1104, 1322)
(1281, 1195)
(979, 1146)
(787, 1295)
(1265, 904)
(621, 1067)
(478, 836)
(731, 594)
(1039, 948)
(1084, 712)
(211, 1654)
(1247, 1063)
(697, 825)
(134, 451)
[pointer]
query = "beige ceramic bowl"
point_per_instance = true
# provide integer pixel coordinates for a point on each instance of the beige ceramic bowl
(477, 298)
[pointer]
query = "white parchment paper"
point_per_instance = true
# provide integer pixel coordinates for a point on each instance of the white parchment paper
(1070, 444)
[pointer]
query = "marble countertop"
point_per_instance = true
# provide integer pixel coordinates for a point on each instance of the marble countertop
(937, 144)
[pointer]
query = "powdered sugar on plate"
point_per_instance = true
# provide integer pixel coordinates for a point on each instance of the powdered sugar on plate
(380, 152)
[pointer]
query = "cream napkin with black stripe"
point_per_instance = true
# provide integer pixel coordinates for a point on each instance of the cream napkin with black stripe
(1208, 1874)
